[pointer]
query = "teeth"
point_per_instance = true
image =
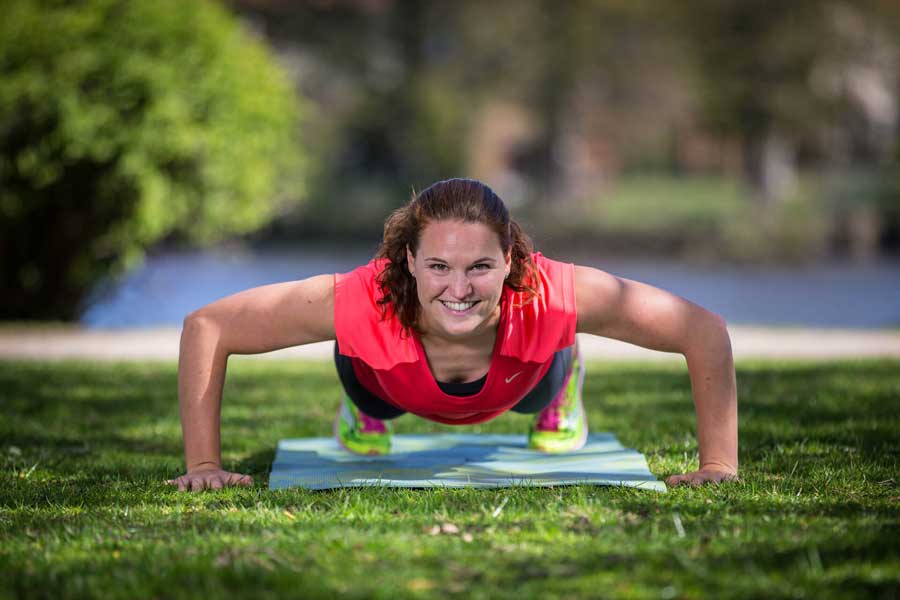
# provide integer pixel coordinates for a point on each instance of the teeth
(460, 306)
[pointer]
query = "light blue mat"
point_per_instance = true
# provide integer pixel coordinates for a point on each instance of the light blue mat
(458, 460)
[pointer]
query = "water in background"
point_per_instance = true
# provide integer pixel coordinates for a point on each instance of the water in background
(171, 285)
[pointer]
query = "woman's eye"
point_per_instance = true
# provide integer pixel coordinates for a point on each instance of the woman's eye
(440, 267)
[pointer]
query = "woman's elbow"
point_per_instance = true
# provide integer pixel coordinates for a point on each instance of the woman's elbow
(198, 318)
(717, 322)
(717, 335)
(203, 335)
(710, 334)
(200, 324)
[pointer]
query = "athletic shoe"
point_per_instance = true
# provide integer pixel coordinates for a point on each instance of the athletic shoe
(562, 425)
(359, 433)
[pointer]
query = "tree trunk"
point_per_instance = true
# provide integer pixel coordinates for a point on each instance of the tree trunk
(770, 167)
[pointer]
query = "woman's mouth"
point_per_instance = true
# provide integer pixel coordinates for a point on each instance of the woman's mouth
(459, 308)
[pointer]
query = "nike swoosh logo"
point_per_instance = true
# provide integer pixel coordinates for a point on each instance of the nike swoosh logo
(513, 376)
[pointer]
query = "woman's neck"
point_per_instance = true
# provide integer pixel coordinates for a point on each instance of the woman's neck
(461, 359)
(485, 334)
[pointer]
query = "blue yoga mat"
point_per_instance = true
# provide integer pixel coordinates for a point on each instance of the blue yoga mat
(458, 460)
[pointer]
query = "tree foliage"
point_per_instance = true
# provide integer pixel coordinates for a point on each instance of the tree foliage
(125, 122)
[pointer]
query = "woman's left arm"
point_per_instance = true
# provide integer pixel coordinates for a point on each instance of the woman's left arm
(650, 317)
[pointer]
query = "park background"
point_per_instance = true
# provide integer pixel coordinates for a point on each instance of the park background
(156, 156)
(154, 159)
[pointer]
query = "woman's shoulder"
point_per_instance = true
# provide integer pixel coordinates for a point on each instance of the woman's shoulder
(358, 291)
(554, 284)
(364, 328)
(540, 324)
(368, 271)
(546, 262)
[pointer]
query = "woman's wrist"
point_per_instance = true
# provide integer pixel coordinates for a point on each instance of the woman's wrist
(716, 465)
(204, 465)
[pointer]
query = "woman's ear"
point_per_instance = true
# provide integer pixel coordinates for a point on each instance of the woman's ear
(410, 262)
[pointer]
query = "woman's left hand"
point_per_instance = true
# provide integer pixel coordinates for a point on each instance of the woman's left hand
(698, 478)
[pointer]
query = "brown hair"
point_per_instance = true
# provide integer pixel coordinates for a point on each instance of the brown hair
(463, 200)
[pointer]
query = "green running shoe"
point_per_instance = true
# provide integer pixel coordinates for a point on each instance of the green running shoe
(359, 433)
(562, 425)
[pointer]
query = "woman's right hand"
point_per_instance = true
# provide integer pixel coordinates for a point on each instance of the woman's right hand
(214, 479)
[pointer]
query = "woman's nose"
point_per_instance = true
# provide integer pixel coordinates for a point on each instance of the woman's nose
(460, 286)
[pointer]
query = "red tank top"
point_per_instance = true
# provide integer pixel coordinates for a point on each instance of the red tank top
(392, 364)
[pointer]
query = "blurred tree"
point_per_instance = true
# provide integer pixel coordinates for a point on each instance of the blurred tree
(796, 79)
(547, 100)
(755, 61)
(419, 91)
(382, 123)
(124, 122)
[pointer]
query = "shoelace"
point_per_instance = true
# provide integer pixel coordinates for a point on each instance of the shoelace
(371, 424)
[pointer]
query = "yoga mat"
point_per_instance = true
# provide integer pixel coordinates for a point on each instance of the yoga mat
(458, 460)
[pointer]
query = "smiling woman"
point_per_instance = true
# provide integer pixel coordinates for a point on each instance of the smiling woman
(460, 278)
(475, 322)
(456, 320)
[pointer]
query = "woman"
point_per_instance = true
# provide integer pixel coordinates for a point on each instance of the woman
(456, 320)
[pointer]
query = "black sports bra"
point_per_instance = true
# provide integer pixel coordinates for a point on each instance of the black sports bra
(469, 388)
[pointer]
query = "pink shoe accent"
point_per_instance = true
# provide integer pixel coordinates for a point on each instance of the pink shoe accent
(548, 419)
(371, 424)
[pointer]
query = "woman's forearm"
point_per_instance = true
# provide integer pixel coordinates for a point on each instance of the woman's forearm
(711, 368)
(201, 375)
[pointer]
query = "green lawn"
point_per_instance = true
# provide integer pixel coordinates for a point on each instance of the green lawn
(84, 512)
(708, 218)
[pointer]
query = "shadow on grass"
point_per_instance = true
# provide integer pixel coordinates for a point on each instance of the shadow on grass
(842, 404)
(258, 464)
(125, 416)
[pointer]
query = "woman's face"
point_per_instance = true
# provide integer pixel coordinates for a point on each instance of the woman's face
(459, 270)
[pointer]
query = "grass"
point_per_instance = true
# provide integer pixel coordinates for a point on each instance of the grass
(707, 218)
(84, 512)
(650, 204)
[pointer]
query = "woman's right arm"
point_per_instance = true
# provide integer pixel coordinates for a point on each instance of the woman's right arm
(258, 320)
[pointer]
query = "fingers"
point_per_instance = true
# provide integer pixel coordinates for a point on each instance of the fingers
(179, 481)
(698, 478)
(214, 481)
(676, 480)
(238, 479)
